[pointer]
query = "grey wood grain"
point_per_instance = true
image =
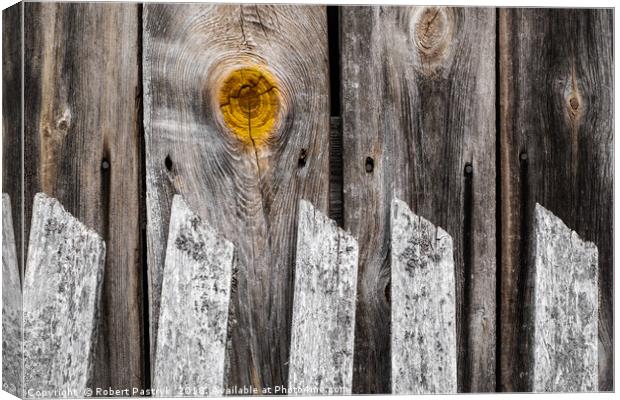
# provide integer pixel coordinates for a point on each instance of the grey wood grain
(323, 306)
(82, 138)
(193, 317)
(62, 301)
(12, 311)
(418, 114)
(249, 193)
(12, 140)
(423, 305)
(556, 147)
(565, 342)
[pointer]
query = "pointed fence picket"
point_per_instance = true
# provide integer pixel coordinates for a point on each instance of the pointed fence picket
(62, 293)
(423, 305)
(191, 342)
(321, 360)
(565, 308)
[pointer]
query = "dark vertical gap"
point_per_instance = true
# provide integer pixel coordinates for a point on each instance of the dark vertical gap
(498, 210)
(465, 384)
(333, 38)
(144, 304)
(336, 195)
(522, 279)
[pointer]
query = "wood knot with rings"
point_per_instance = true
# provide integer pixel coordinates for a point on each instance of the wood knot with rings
(250, 103)
(433, 30)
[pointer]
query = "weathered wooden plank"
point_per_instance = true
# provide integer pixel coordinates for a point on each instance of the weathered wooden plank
(193, 317)
(423, 309)
(556, 147)
(418, 112)
(82, 146)
(62, 295)
(235, 97)
(565, 323)
(12, 373)
(323, 307)
(12, 116)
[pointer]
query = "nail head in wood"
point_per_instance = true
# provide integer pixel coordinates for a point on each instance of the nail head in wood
(370, 164)
(469, 169)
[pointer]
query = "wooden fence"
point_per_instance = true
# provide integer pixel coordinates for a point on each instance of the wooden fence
(64, 274)
(469, 116)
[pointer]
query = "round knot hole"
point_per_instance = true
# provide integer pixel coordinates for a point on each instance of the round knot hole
(250, 103)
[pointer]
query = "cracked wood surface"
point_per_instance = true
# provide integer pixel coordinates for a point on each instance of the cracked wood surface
(418, 123)
(12, 310)
(423, 305)
(62, 301)
(82, 138)
(191, 342)
(250, 193)
(565, 306)
(323, 305)
(556, 148)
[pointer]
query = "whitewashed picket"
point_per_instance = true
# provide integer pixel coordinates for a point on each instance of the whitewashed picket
(565, 302)
(191, 342)
(62, 291)
(323, 305)
(423, 305)
(11, 306)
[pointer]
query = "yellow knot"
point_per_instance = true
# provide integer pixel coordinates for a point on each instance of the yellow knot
(250, 101)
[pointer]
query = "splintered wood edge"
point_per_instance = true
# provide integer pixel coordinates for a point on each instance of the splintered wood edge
(428, 365)
(565, 269)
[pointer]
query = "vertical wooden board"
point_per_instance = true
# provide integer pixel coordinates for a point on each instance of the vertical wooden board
(12, 372)
(556, 140)
(418, 114)
(82, 145)
(199, 62)
(565, 314)
(423, 309)
(12, 141)
(62, 296)
(323, 307)
(194, 307)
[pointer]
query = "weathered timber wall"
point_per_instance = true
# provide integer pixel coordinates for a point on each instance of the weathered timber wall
(237, 106)
(247, 187)
(418, 115)
(12, 138)
(556, 148)
(82, 139)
